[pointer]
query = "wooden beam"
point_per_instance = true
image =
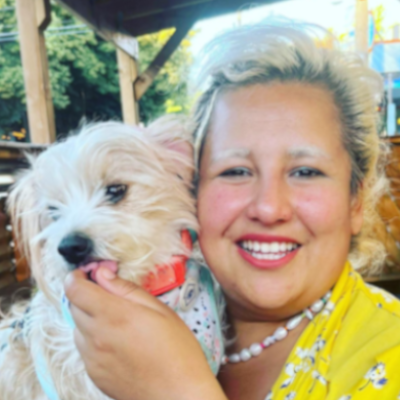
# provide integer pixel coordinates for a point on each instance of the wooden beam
(144, 81)
(127, 68)
(33, 16)
(43, 13)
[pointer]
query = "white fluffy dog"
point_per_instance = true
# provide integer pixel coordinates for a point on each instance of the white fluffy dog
(112, 192)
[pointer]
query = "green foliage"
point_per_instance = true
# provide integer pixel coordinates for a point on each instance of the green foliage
(168, 94)
(84, 74)
(12, 94)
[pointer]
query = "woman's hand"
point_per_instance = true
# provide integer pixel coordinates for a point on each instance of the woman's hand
(134, 347)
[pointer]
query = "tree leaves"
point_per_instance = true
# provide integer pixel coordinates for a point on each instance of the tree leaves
(84, 74)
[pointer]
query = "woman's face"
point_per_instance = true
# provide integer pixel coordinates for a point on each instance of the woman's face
(275, 207)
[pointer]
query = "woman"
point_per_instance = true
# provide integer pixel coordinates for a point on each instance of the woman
(288, 175)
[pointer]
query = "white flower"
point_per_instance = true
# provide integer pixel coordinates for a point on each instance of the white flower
(316, 375)
(377, 375)
(308, 356)
(291, 370)
(290, 396)
(347, 397)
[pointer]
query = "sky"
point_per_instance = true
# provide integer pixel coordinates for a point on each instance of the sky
(337, 15)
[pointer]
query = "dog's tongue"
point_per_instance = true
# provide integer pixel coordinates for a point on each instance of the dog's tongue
(91, 268)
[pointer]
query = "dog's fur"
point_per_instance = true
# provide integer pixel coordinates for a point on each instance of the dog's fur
(64, 192)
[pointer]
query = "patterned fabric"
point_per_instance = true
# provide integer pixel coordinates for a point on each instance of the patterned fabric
(198, 303)
(350, 351)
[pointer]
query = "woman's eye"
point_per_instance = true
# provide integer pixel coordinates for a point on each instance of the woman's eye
(306, 172)
(236, 172)
(115, 193)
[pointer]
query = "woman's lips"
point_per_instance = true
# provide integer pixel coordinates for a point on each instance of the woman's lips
(267, 252)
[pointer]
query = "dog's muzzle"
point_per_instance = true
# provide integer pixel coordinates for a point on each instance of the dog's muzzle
(76, 248)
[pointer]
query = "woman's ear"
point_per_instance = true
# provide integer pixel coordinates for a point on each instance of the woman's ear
(357, 211)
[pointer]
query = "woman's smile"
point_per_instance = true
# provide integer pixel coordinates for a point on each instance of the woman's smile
(264, 251)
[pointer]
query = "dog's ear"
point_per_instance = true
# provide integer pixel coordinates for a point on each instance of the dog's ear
(23, 210)
(171, 133)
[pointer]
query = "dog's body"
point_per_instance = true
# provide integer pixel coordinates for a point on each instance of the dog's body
(123, 192)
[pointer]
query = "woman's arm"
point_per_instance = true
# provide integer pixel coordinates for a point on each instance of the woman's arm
(134, 347)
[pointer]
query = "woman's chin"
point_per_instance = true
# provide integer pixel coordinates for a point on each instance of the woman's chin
(271, 304)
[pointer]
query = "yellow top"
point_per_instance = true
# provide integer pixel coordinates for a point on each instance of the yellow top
(350, 351)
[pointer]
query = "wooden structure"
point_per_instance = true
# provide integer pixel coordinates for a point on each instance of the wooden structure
(119, 21)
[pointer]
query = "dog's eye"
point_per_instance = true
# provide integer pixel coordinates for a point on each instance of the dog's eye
(53, 212)
(116, 193)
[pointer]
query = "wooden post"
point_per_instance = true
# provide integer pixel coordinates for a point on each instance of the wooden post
(127, 67)
(361, 28)
(33, 18)
(146, 78)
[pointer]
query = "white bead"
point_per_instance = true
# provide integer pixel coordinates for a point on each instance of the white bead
(255, 349)
(280, 333)
(294, 322)
(268, 341)
(317, 306)
(330, 306)
(309, 314)
(328, 296)
(234, 358)
(245, 355)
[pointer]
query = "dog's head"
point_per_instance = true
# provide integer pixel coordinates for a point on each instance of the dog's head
(112, 192)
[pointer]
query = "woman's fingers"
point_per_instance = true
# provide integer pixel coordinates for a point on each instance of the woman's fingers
(92, 299)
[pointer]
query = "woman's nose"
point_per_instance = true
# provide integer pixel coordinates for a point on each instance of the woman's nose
(271, 202)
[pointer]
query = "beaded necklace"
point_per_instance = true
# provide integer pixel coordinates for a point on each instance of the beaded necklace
(256, 348)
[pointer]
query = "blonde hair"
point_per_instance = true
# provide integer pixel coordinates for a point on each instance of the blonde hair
(279, 50)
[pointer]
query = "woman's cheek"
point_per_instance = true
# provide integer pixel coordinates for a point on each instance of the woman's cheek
(322, 209)
(219, 206)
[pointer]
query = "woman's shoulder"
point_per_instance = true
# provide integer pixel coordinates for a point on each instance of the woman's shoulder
(370, 324)
(373, 312)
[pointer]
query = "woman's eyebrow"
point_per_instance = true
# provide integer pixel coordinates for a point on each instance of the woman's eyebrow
(244, 153)
(307, 151)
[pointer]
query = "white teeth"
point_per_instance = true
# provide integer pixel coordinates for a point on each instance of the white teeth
(275, 247)
(269, 256)
(263, 250)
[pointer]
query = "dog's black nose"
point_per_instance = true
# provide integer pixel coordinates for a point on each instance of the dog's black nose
(75, 248)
